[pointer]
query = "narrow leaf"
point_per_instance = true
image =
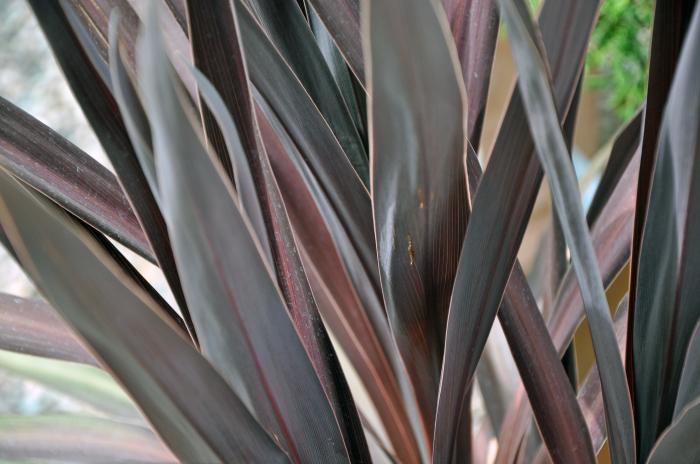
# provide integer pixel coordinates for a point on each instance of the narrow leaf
(241, 319)
(500, 211)
(86, 384)
(474, 25)
(55, 167)
(551, 147)
(290, 34)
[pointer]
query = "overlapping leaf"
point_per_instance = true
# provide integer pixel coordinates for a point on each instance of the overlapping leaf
(499, 214)
(129, 332)
(667, 306)
(239, 313)
(551, 147)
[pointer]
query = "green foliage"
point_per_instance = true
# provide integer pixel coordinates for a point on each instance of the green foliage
(619, 53)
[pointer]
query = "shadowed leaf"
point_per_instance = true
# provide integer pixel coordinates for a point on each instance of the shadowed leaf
(342, 19)
(474, 25)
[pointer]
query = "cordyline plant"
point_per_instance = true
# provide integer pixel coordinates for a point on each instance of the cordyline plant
(304, 173)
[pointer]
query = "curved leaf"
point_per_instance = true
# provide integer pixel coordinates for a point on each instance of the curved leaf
(689, 385)
(679, 442)
(91, 86)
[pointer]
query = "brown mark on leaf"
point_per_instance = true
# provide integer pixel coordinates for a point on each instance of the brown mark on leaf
(411, 252)
(421, 198)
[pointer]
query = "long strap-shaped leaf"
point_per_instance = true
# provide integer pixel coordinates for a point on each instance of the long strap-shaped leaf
(544, 124)
(342, 18)
(288, 31)
(474, 25)
(667, 306)
(129, 333)
(670, 25)
(367, 342)
(590, 397)
(100, 108)
(55, 167)
(419, 190)
(33, 327)
(238, 311)
(72, 438)
(253, 174)
(499, 214)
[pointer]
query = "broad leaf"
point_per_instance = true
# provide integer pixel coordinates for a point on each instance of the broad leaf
(419, 190)
(129, 332)
(667, 307)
